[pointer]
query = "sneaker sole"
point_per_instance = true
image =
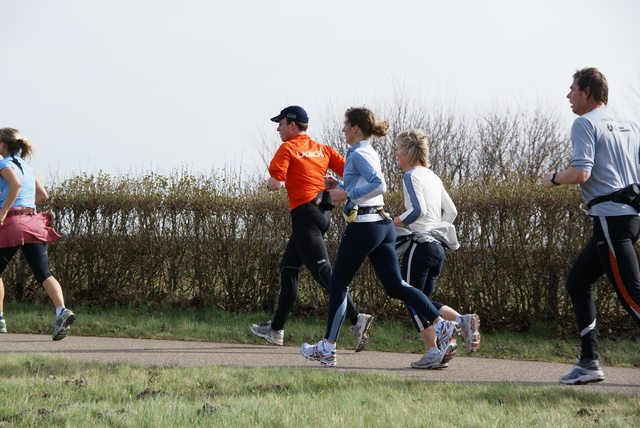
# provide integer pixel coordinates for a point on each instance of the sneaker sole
(449, 354)
(435, 366)
(453, 346)
(431, 367)
(583, 380)
(474, 344)
(365, 336)
(64, 330)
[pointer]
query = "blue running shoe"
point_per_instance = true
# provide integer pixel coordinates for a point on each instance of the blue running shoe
(581, 374)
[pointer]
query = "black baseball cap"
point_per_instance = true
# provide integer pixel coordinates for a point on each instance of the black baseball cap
(293, 113)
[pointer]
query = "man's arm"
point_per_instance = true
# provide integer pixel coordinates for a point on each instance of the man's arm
(570, 175)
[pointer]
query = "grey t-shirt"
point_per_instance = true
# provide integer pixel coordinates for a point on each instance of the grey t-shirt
(608, 147)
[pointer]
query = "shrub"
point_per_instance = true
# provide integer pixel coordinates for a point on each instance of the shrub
(192, 240)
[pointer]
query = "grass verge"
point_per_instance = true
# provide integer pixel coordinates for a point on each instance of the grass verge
(40, 391)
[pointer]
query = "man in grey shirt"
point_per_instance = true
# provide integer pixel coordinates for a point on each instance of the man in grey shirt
(606, 157)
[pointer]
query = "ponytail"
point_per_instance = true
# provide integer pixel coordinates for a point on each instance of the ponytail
(15, 143)
(366, 121)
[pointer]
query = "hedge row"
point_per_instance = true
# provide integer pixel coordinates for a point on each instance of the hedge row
(188, 240)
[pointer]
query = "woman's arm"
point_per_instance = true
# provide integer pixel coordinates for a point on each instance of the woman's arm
(41, 193)
(12, 179)
(449, 210)
(375, 184)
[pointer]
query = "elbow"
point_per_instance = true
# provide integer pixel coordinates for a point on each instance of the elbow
(575, 176)
(582, 177)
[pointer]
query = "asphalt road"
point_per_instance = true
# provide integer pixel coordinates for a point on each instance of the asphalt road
(147, 352)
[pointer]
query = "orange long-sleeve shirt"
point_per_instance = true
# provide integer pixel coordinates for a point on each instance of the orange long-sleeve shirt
(302, 164)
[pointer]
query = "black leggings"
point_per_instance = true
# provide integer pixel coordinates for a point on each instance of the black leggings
(609, 251)
(36, 255)
(306, 246)
(421, 266)
(375, 241)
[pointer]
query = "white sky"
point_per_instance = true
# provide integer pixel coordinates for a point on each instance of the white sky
(137, 85)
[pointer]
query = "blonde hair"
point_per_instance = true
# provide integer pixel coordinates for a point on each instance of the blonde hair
(414, 143)
(15, 143)
(366, 121)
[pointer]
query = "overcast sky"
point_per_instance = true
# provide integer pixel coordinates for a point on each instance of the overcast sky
(136, 85)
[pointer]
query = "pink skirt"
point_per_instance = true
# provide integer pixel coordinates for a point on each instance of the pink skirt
(27, 229)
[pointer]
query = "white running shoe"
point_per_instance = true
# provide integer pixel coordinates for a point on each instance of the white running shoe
(430, 361)
(470, 331)
(317, 353)
(265, 331)
(447, 334)
(361, 330)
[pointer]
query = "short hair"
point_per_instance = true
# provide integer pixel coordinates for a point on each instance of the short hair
(302, 127)
(15, 143)
(414, 144)
(591, 78)
(366, 121)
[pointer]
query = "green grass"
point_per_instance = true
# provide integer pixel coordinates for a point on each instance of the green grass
(216, 325)
(43, 391)
(39, 391)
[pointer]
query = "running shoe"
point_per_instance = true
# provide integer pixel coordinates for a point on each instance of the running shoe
(361, 330)
(61, 324)
(470, 331)
(430, 361)
(581, 374)
(317, 353)
(3, 326)
(265, 331)
(447, 333)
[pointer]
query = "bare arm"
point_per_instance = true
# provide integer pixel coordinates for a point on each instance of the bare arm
(41, 193)
(570, 175)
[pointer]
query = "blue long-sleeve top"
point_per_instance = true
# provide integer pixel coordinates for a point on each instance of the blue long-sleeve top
(363, 180)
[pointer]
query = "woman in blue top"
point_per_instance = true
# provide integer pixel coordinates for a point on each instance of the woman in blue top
(369, 233)
(22, 228)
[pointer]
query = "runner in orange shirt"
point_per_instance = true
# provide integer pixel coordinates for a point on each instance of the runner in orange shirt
(301, 164)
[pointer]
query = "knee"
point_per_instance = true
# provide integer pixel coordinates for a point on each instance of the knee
(284, 267)
(395, 293)
(575, 287)
(41, 277)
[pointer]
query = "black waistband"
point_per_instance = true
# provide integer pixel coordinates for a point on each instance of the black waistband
(369, 210)
(316, 199)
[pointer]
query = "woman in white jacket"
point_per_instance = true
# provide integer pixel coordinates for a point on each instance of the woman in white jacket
(427, 205)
